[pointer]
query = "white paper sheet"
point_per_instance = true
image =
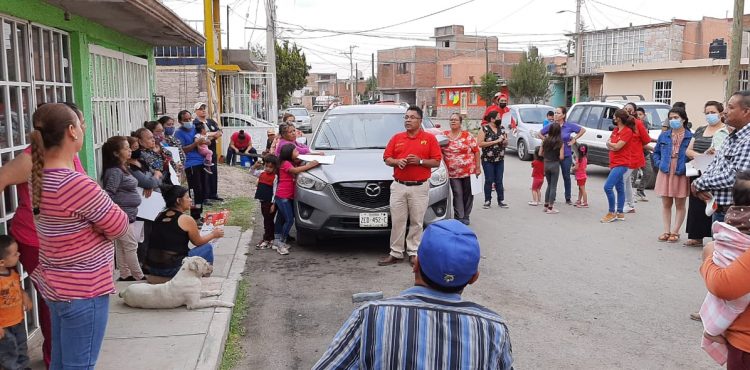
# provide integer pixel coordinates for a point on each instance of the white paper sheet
(150, 207)
(701, 161)
(477, 184)
(322, 159)
(175, 153)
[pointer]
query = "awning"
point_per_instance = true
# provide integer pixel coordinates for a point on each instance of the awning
(146, 20)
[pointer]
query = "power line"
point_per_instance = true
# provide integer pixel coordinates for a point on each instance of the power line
(585, 4)
(614, 24)
(629, 12)
(509, 14)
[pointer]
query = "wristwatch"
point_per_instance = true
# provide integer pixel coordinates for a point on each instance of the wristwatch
(420, 162)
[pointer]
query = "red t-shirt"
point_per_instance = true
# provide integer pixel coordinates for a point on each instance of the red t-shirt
(241, 144)
(285, 189)
(636, 145)
(537, 169)
(424, 145)
(621, 157)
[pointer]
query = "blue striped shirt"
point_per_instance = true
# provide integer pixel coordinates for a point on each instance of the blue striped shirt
(420, 329)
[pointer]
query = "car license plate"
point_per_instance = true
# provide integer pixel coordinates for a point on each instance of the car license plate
(379, 219)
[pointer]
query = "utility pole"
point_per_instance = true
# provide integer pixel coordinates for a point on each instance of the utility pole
(579, 48)
(352, 78)
(486, 58)
(271, 58)
(736, 52)
(228, 31)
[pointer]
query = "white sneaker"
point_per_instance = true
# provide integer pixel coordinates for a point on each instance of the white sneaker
(283, 249)
(628, 209)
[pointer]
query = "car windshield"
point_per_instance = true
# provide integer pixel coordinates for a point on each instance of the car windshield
(534, 115)
(299, 112)
(358, 131)
(656, 115)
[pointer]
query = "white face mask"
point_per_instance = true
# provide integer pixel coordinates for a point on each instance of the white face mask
(713, 118)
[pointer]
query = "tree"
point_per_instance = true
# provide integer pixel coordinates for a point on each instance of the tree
(487, 87)
(371, 87)
(291, 71)
(529, 80)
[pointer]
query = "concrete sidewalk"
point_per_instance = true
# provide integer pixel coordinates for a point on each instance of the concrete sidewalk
(176, 338)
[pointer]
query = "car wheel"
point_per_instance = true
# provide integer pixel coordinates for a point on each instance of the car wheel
(306, 237)
(523, 150)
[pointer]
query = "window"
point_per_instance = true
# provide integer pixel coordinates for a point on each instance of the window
(447, 71)
(743, 80)
(576, 114)
(473, 98)
(443, 98)
(663, 91)
(446, 44)
(402, 69)
(120, 95)
(246, 93)
(593, 117)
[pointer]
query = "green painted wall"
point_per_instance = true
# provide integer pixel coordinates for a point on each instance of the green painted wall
(83, 32)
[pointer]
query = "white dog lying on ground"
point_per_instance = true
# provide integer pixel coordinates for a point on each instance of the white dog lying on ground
(183, 289)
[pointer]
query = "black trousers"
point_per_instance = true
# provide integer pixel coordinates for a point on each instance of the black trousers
(268, 220)
(462, 198)
(212, 180)
(198, 183)
(231, 153)
(698, 225)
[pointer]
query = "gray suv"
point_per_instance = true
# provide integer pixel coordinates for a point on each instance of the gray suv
(351, 197)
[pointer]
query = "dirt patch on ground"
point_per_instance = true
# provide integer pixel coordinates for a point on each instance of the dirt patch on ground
(236, 181)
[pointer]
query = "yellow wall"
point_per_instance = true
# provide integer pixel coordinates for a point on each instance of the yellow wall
(694, 86)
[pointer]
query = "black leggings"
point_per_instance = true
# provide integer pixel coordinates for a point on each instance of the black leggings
(197, 182)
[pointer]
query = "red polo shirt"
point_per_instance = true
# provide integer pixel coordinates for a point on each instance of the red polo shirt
(424, 145)
(636, 145)
(241, 144)
(622, 156)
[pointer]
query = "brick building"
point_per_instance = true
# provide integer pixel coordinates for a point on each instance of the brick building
(410, 74)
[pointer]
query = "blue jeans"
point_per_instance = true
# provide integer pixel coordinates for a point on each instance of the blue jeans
(493, 173)
(77, 331)
(615, 180)
(13, 348)
(206, 251)
(565, 166)
(284, 218)
(718, 216)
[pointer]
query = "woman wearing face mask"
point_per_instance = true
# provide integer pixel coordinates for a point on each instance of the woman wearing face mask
(670, 156)
(169, 139)
(151, 151)
(197, 179)
(698, 225)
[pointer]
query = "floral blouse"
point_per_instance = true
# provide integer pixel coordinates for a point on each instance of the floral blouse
(493, 153)
(460, 154)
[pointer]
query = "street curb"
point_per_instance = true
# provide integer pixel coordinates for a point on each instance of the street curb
(218, 330)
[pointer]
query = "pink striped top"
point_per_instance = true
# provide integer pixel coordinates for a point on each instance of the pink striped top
(76, 226)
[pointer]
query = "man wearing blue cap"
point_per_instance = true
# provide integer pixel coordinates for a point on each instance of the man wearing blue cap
(428, 326)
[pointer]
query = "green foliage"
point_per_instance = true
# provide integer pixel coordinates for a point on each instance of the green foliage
(233, 351)
(372, 87)
(529, 80)
(291, 71)
(488, 87)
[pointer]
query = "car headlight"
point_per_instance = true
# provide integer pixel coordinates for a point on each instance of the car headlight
(308, 181)
(439, 176)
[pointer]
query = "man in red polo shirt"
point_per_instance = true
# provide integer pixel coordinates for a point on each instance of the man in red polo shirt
(499, 104)
(411, 154)
(637, 155)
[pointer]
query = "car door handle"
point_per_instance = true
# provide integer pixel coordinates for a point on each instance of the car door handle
(598, 136)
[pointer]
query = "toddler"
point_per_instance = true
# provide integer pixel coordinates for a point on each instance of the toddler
(202, 133)
(537, 179)
(580, 170)
(13, 301)
(731, 239)
(264, 193)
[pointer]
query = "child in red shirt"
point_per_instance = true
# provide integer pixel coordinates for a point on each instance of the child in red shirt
(537, 176)
(580, 170)
(13, 301)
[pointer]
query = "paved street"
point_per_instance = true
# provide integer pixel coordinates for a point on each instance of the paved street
(575, 293)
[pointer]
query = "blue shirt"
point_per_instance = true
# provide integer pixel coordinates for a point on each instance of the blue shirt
(420, 329)
(187, 137)
(567, 129)
(545, 123)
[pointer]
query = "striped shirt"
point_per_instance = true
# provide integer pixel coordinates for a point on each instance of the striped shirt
(76, 226)
(420, 329)
(733, 157)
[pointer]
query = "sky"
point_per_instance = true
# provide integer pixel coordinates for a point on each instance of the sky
(517, 24)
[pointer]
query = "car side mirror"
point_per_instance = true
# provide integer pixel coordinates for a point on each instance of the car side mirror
(611, 127)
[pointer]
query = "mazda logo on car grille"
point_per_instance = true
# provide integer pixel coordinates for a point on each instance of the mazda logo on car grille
(372, 190)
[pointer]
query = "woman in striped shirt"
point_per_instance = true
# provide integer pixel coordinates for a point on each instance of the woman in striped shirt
(76, 223)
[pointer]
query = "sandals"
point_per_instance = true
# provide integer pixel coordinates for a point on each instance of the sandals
(664, 237)
(264, 244)
(673, 238)
(692, 243)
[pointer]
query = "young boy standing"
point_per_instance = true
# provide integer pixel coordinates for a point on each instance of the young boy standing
(264, 193)
(13, 301)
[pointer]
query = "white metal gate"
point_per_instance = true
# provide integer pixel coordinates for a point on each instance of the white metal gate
(120, 95)
(247, 93)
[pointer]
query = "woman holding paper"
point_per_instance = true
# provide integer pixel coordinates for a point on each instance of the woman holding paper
(122, 187)
(698, 225)
(172, 233)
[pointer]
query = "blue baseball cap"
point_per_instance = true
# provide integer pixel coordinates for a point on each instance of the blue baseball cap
(449, 253)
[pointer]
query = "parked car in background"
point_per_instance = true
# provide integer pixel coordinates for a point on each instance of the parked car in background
(528, 118)
(351, 197)
(234, 122)
(596, 117)
(301, 118)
